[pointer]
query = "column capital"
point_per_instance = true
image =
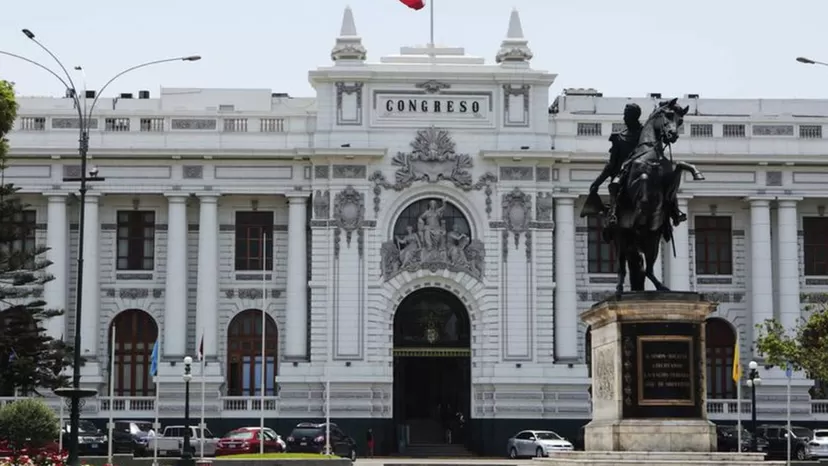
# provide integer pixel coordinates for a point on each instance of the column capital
(58, 198)
(92, 198)
(788, 202)
(297, 198)
(208, 198)
(760, 201)
(176, 195)
(565, 198)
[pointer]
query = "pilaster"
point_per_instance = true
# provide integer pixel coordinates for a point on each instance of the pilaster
(91, 291)
(761, 274)
(566, 298)
(788, 262)
(208, 263)
(175, 297)
(296, 332)
(57, 240)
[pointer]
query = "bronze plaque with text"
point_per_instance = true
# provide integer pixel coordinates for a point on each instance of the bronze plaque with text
(666, 370)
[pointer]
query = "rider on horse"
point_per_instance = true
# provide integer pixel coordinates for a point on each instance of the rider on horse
(622, 154)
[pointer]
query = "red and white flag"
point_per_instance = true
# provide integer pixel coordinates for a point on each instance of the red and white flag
(414, 4)
(201, 349)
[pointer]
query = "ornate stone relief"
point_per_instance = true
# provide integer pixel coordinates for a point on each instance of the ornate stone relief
(508, 92)
(627, 370)
(343, 89)
(349, 216)
(429, 246)
(516, 174)
(193, 172)
(543, 207)
(516, 212)
(133, 293)
(322, 204)
(350, 171)
(194, 124)
(604, 372)
(433, 86)
(432, 159)
(542, 174)
(320, 172)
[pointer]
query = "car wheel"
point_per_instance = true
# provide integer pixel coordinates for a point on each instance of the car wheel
(539, 452)
(800, 454)
(512, 453)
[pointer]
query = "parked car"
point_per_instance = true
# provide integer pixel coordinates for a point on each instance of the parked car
(131, 436)
(91, 440)
(727, 438)
(776, 435)
(249, 440)
(819, 444)
(171, 441)
(537, 443)
(310, 438)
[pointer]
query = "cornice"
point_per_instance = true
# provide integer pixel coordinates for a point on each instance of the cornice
(299, 154)
(717, 159)
(547, 156)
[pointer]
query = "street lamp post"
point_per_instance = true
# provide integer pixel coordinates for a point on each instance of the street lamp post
(808, 61)
(75, 393)
(187, 454)
(752, 382)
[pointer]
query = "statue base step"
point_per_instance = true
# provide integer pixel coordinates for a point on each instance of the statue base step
(613, 458)
(656, 435)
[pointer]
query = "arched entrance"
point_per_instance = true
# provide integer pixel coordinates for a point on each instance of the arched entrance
(720, 340)
(432, 368)
(135, 335)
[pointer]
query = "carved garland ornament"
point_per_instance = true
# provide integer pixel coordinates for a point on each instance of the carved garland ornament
(432, 159)
(349, 215)
(517, 208)
(604, 373)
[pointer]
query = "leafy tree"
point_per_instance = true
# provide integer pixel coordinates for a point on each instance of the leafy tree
(28, 423)
(806, 346)
(29, 359)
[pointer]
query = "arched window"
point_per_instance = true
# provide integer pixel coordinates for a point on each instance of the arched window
(451, 215)
(720, 340)
(244, 354)
(135, 335)
(431, 317)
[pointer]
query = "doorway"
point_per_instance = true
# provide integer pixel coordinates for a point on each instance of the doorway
(432, 369)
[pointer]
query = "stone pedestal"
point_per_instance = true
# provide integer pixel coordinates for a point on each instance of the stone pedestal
(648, 374)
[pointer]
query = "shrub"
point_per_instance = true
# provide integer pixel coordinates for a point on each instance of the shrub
(28, 424)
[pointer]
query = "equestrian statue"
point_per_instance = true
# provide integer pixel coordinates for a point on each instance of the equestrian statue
(643, 205)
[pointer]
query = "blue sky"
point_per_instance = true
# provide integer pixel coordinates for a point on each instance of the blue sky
(721, 48)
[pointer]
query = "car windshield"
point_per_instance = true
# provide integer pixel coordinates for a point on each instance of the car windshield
(306, 432)
(140, 427)
(547, 436)
(84, 426)
(241, 434)
(802, 432)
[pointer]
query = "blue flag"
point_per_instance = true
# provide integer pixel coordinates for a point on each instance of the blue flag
(154, 360)
(13, 356)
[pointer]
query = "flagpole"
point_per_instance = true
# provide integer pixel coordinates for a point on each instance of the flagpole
(737, 356)
(156, 425)
(431, 24)
(62, 426)
(264, 342)
(111, 425)
(203, 390)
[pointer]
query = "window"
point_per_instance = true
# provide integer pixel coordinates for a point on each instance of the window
(810, 131)
(714, 245)
(251, 229)
(136, 240)
(600, 254)
(733, 131)
(135, 336)
(816, 245)
(720, 340)
(244, 354)
(701, 130)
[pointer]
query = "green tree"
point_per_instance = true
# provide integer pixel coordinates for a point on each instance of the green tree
(806, 346)
(28, 423)
(29, 359)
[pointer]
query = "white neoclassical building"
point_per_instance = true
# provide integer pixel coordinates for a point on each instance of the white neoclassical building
(423, 250)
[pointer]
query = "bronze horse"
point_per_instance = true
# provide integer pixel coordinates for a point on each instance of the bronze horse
(650, 183)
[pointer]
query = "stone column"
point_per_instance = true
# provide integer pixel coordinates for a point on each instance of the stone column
(788, 276)
(57, 240)
(566, 298)
(761, 266)
(91, 293)
(678, 267)
(208, 261)
(175, 295)
(297, 279)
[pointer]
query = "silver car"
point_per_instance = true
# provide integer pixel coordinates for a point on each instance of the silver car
(538, 443)
(819, 444)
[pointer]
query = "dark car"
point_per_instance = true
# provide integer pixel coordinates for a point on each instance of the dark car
(92, 441)
(131, 437)
(310, 438)
(776, 435)
(727, 439)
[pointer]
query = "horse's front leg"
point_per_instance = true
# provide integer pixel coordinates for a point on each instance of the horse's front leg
(697, 175)
(653, 244)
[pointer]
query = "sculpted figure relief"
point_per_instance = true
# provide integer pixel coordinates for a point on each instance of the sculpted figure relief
(432, 246)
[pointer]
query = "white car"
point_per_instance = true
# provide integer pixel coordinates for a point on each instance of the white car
(537, 443)
(819, 444)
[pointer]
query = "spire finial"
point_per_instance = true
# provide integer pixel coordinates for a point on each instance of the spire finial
(348, 45)
(514, 48)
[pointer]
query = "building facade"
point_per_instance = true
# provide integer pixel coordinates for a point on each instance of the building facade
(412, 235)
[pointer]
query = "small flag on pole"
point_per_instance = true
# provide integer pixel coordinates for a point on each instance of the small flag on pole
(201, 348)
(414, 4)
(154, 360)
(737, 363)
(13, 356)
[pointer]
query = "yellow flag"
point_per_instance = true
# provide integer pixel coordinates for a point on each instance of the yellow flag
(737, 363)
